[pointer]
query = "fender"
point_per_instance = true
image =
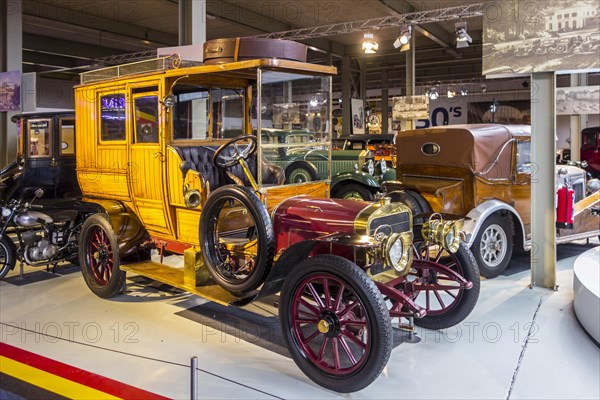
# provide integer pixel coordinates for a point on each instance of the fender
(127, 226)
(478, 215)
(355, 176)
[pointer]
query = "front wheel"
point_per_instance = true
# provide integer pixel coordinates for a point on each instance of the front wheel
(493, 246)
(8, 256)
(99, 257)
(438, 284)
(335, 323)
(300, 172)
(354, 191)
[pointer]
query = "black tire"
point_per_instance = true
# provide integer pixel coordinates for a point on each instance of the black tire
(100, 268)
(459, 308)
(495, 231)
(300, 172)
(263, 231)
(414, 201)
(8, 255)
(353, 191)
(347, 375)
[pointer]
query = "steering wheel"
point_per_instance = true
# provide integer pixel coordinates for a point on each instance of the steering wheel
(225, 162)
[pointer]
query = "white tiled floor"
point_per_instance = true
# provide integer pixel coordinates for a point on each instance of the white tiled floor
(146, 338)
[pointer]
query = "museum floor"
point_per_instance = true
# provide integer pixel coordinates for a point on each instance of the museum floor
(518, 343)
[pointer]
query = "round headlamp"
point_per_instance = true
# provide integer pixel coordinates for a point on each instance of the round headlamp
(443, 233)
(398, 252)
(382, 166)
(369, 167)
(5, 212)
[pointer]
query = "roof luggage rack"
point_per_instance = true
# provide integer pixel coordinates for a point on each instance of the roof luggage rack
(153, 65)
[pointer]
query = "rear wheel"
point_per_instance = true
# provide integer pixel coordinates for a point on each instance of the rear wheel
(99, 257)
(335, 323)
(8, 255)
(300, 172)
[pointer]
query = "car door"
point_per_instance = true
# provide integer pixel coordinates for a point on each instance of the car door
(146, 161)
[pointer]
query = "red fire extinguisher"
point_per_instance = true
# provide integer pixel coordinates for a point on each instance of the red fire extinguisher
(565, 207)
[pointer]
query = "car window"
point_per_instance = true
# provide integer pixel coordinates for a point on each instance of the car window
(112, 117)
(67, 137)
(524, 157)
(39, 138)
(589, 141)
(193, 104)
(146, 119)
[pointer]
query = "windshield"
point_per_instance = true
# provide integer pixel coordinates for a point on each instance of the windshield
(293, 113)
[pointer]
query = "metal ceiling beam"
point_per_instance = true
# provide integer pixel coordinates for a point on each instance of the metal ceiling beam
(261, 23)
(432, 32)
(88, 20)
(418, 17)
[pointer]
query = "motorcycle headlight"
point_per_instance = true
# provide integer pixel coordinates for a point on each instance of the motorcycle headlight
(5, 212)
(369, 167)
(398, 251)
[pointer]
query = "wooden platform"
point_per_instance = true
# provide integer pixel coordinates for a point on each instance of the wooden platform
(174, 277)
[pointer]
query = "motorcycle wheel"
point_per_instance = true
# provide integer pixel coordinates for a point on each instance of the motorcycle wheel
(8, 256)
(447, 304)
(335, 323)
(99, 257)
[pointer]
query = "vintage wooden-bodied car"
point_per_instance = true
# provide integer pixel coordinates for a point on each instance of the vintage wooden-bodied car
(153, 159)
(45, 159)
(483, 173)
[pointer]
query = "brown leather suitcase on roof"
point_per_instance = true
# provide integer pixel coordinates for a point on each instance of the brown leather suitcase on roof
(219, 51)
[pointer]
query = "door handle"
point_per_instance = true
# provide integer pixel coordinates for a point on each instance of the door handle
(53, 162)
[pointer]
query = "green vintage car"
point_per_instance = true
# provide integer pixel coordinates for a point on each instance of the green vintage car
(354, 173)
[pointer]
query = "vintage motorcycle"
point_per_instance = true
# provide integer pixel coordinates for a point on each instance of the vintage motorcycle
(42, 238)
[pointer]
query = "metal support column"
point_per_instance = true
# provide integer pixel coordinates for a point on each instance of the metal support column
(385, 101)
(543, 150)
(578, 122)
(346, 102)
(192, 22)
(410, 76)
(363, 88)
(11, 49)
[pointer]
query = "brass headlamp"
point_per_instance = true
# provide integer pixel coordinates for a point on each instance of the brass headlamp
(445, 233)
(397, 251)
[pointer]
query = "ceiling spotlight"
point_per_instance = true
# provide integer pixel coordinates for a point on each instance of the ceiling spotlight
(451, 93)
(464, 92)
(483, 88)
(403, 40)
(313, 102)
(462, 37)
(369, 46)
(433, 93)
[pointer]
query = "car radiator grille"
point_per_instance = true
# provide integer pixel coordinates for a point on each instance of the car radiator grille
(398, 222)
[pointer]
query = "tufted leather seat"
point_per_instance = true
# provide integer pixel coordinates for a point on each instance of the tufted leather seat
(201, 159)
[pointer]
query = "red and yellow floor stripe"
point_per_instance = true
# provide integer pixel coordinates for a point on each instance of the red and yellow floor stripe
(63, 379)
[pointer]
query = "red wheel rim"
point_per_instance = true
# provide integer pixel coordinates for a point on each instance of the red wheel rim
(100, 256)
(436, 291)
(330, 324)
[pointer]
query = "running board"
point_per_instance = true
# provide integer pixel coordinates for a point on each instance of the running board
(175, 277)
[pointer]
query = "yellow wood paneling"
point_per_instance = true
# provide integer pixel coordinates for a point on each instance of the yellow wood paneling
(188, 223)
(103, 184)
(277, 194)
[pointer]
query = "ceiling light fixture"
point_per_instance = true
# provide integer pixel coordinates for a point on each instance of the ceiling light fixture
(462, 37)
(464, 92)
(369, 45)
(402, 42)
(451, 93)
(433, 93)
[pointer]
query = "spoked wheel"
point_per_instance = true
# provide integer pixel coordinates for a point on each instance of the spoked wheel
(439, 282)
(8, 256)
(99, 257)
(335, 323)
(237, 238)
